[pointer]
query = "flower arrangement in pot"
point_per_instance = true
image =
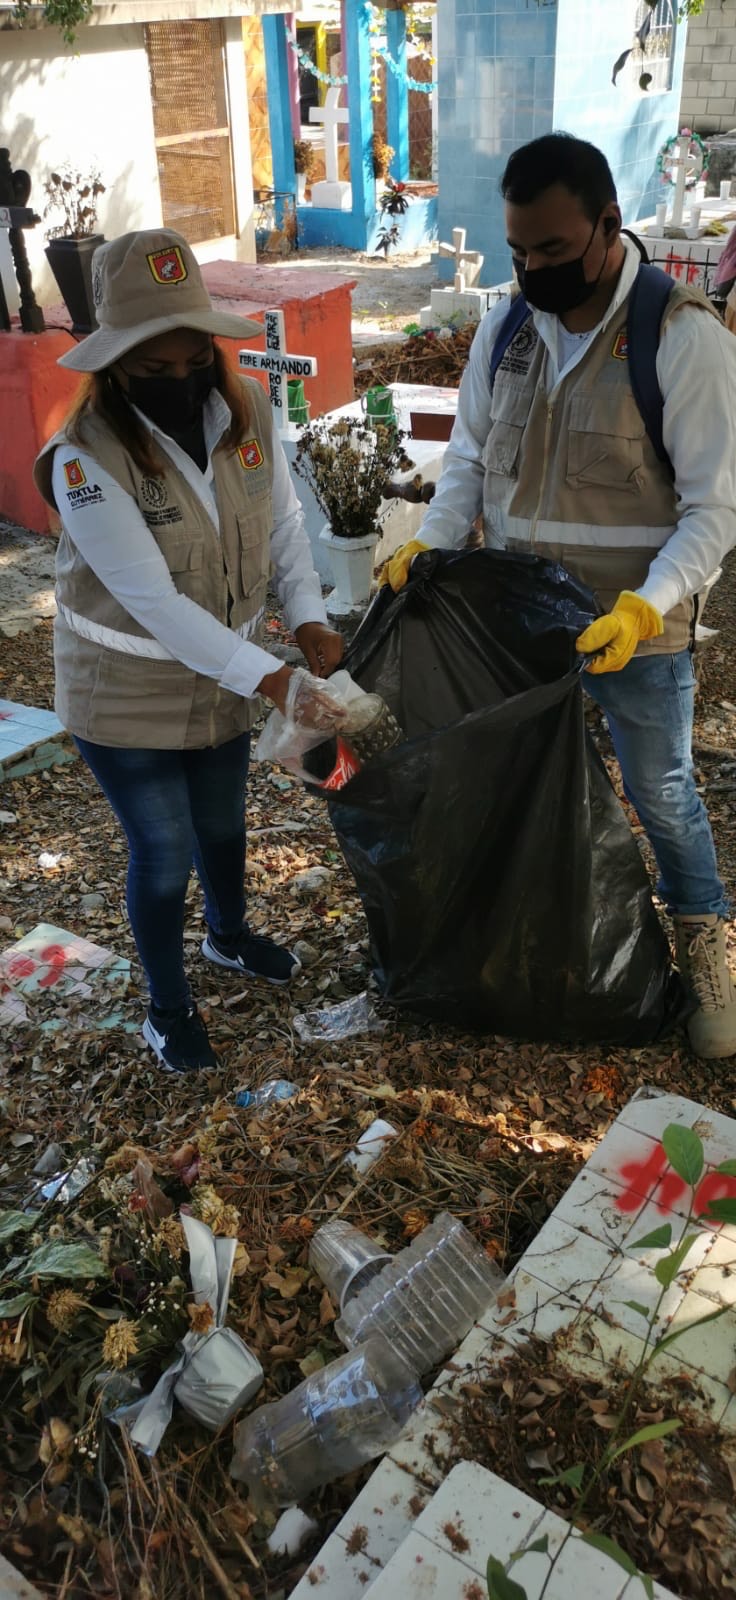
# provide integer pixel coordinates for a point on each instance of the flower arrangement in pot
(347, 465)
(72, 203)
(304, 163)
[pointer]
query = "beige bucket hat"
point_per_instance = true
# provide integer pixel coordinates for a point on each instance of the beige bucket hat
(145, 284)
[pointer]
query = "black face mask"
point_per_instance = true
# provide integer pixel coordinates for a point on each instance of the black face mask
(559, 289)
(174, 404)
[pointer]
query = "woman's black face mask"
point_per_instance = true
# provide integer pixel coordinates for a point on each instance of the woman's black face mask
(174, 404)
(562, 288)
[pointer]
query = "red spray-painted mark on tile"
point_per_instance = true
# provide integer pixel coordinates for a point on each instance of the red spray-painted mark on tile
(653, 1179)
(53, 958)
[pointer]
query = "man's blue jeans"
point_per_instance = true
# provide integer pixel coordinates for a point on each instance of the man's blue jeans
(649, 711)
(177, 807)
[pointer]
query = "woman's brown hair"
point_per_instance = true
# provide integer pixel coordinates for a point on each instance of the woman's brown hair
(101, 394)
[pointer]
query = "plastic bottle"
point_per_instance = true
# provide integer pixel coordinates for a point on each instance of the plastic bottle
(427, 1298)
(268, 1094)
(346, 1414)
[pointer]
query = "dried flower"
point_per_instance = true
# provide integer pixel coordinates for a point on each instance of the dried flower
(209, 1206)
(124, 1159)
(170, 1234)
(72, 197)
(208, 1144)
(56, 1439)
(63, 1308)
(415, 1221)
(13, 1345)
(296, 1228)
(347, 465)
(120, 1343)
(201, 1317)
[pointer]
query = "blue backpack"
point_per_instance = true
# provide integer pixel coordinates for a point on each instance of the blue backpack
(647, 301)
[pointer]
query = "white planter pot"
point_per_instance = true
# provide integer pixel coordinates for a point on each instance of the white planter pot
(352, 563)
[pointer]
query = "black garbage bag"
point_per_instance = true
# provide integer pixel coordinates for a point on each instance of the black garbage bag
(502, 886)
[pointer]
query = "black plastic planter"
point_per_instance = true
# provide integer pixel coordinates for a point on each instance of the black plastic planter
(70, 261)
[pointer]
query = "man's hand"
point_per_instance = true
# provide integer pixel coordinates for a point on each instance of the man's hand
(396, 570)
(617, 635)
(322, 647)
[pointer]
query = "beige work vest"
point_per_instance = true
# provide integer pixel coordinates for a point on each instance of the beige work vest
(117, 685)
(576, 479)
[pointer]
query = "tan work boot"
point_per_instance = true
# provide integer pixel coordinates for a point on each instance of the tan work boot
(701, 957)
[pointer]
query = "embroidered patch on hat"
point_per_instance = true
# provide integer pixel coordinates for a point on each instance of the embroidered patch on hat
(251, 455)
(167, 266)
(620, 348)
(74, 473)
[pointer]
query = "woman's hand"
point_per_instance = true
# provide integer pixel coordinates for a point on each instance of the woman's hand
(321, 647)
(303, 700)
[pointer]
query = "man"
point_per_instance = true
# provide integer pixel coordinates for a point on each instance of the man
(556, 456)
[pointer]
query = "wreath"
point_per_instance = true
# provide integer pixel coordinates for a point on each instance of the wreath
(696, 157)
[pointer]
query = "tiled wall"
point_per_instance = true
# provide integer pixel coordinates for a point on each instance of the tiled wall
(630, 126)
(709, 82)
(510, 70)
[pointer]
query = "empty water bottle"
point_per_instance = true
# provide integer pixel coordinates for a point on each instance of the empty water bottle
(268, 1094)
(427, 1298)
(341, 1417)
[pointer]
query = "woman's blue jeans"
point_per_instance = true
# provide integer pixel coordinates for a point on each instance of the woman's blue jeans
(649, 710)
(177, 807)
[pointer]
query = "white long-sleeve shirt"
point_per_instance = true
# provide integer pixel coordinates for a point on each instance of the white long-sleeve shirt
(696, 369)
(116, 543)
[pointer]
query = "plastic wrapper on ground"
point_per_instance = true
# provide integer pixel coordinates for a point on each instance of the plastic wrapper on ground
(215, 1373)
(343, 1021)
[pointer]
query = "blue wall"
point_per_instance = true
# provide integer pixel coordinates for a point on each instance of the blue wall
(628, 126)
(510, 70)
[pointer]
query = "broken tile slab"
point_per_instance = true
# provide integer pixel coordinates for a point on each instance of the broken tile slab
(421, 1571)
(652, 1114)
(717, 1273)
(378, 1521)
(594, 1347)
(51, 960)
(708, 1347)
(329, 1576)
(590, 1205)
(566, 1259)
(463, 1521)
(536, 1308)
(15, 715)
(13, 1586)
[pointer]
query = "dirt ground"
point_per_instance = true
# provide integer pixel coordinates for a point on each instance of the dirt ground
(388, 293)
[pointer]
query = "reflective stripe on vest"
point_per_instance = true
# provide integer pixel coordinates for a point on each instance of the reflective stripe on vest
(130, 644)
(522, 530)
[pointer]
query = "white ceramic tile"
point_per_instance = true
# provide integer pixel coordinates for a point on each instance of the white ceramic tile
(621, 1157)
(425, 1432)
(536, 1308)
(331, 1577)
(652, 1116)
(421, 1571)
(590, 1205)
(380, 1519)
(710, 1347)
(476, 1509)
(567, 1259)
(716, 1277)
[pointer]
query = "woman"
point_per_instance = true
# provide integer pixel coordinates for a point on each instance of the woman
(175, 501)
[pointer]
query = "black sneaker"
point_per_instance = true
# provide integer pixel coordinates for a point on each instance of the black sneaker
(253, 955)
(179, 1039)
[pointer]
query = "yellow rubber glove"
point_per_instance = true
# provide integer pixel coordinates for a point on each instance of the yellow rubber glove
(396, 570)
(617, 634)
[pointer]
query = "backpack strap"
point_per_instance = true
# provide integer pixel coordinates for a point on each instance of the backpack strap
(518, 313)
(647, 302)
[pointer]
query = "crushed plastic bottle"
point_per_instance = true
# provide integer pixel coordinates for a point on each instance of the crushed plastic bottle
(268, 1094)
(427, 1298)
(339, 1418)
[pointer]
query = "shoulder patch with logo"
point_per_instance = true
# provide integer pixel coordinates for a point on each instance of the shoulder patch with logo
(518, 357)
(167, 266)
(251, 455)
(74, 473)
(620, 347)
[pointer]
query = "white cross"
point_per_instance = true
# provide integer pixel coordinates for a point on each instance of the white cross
(467, 262)
(279, 365)
(330, 114)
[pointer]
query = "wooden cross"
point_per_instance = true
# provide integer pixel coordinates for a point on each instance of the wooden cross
(467, 262)
(279, 365)
(330, 114)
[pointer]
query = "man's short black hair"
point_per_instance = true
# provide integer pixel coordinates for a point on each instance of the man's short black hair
(559, 158)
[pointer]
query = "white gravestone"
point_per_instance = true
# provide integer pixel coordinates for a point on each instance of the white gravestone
(331, 194)
(280, 366)
(465, 301)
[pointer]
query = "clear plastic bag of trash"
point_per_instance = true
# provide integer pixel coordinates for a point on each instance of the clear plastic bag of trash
(343, 1021)
(334, 714)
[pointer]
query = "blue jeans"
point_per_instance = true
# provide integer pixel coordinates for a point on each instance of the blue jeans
(649, 711)
(177, 807)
